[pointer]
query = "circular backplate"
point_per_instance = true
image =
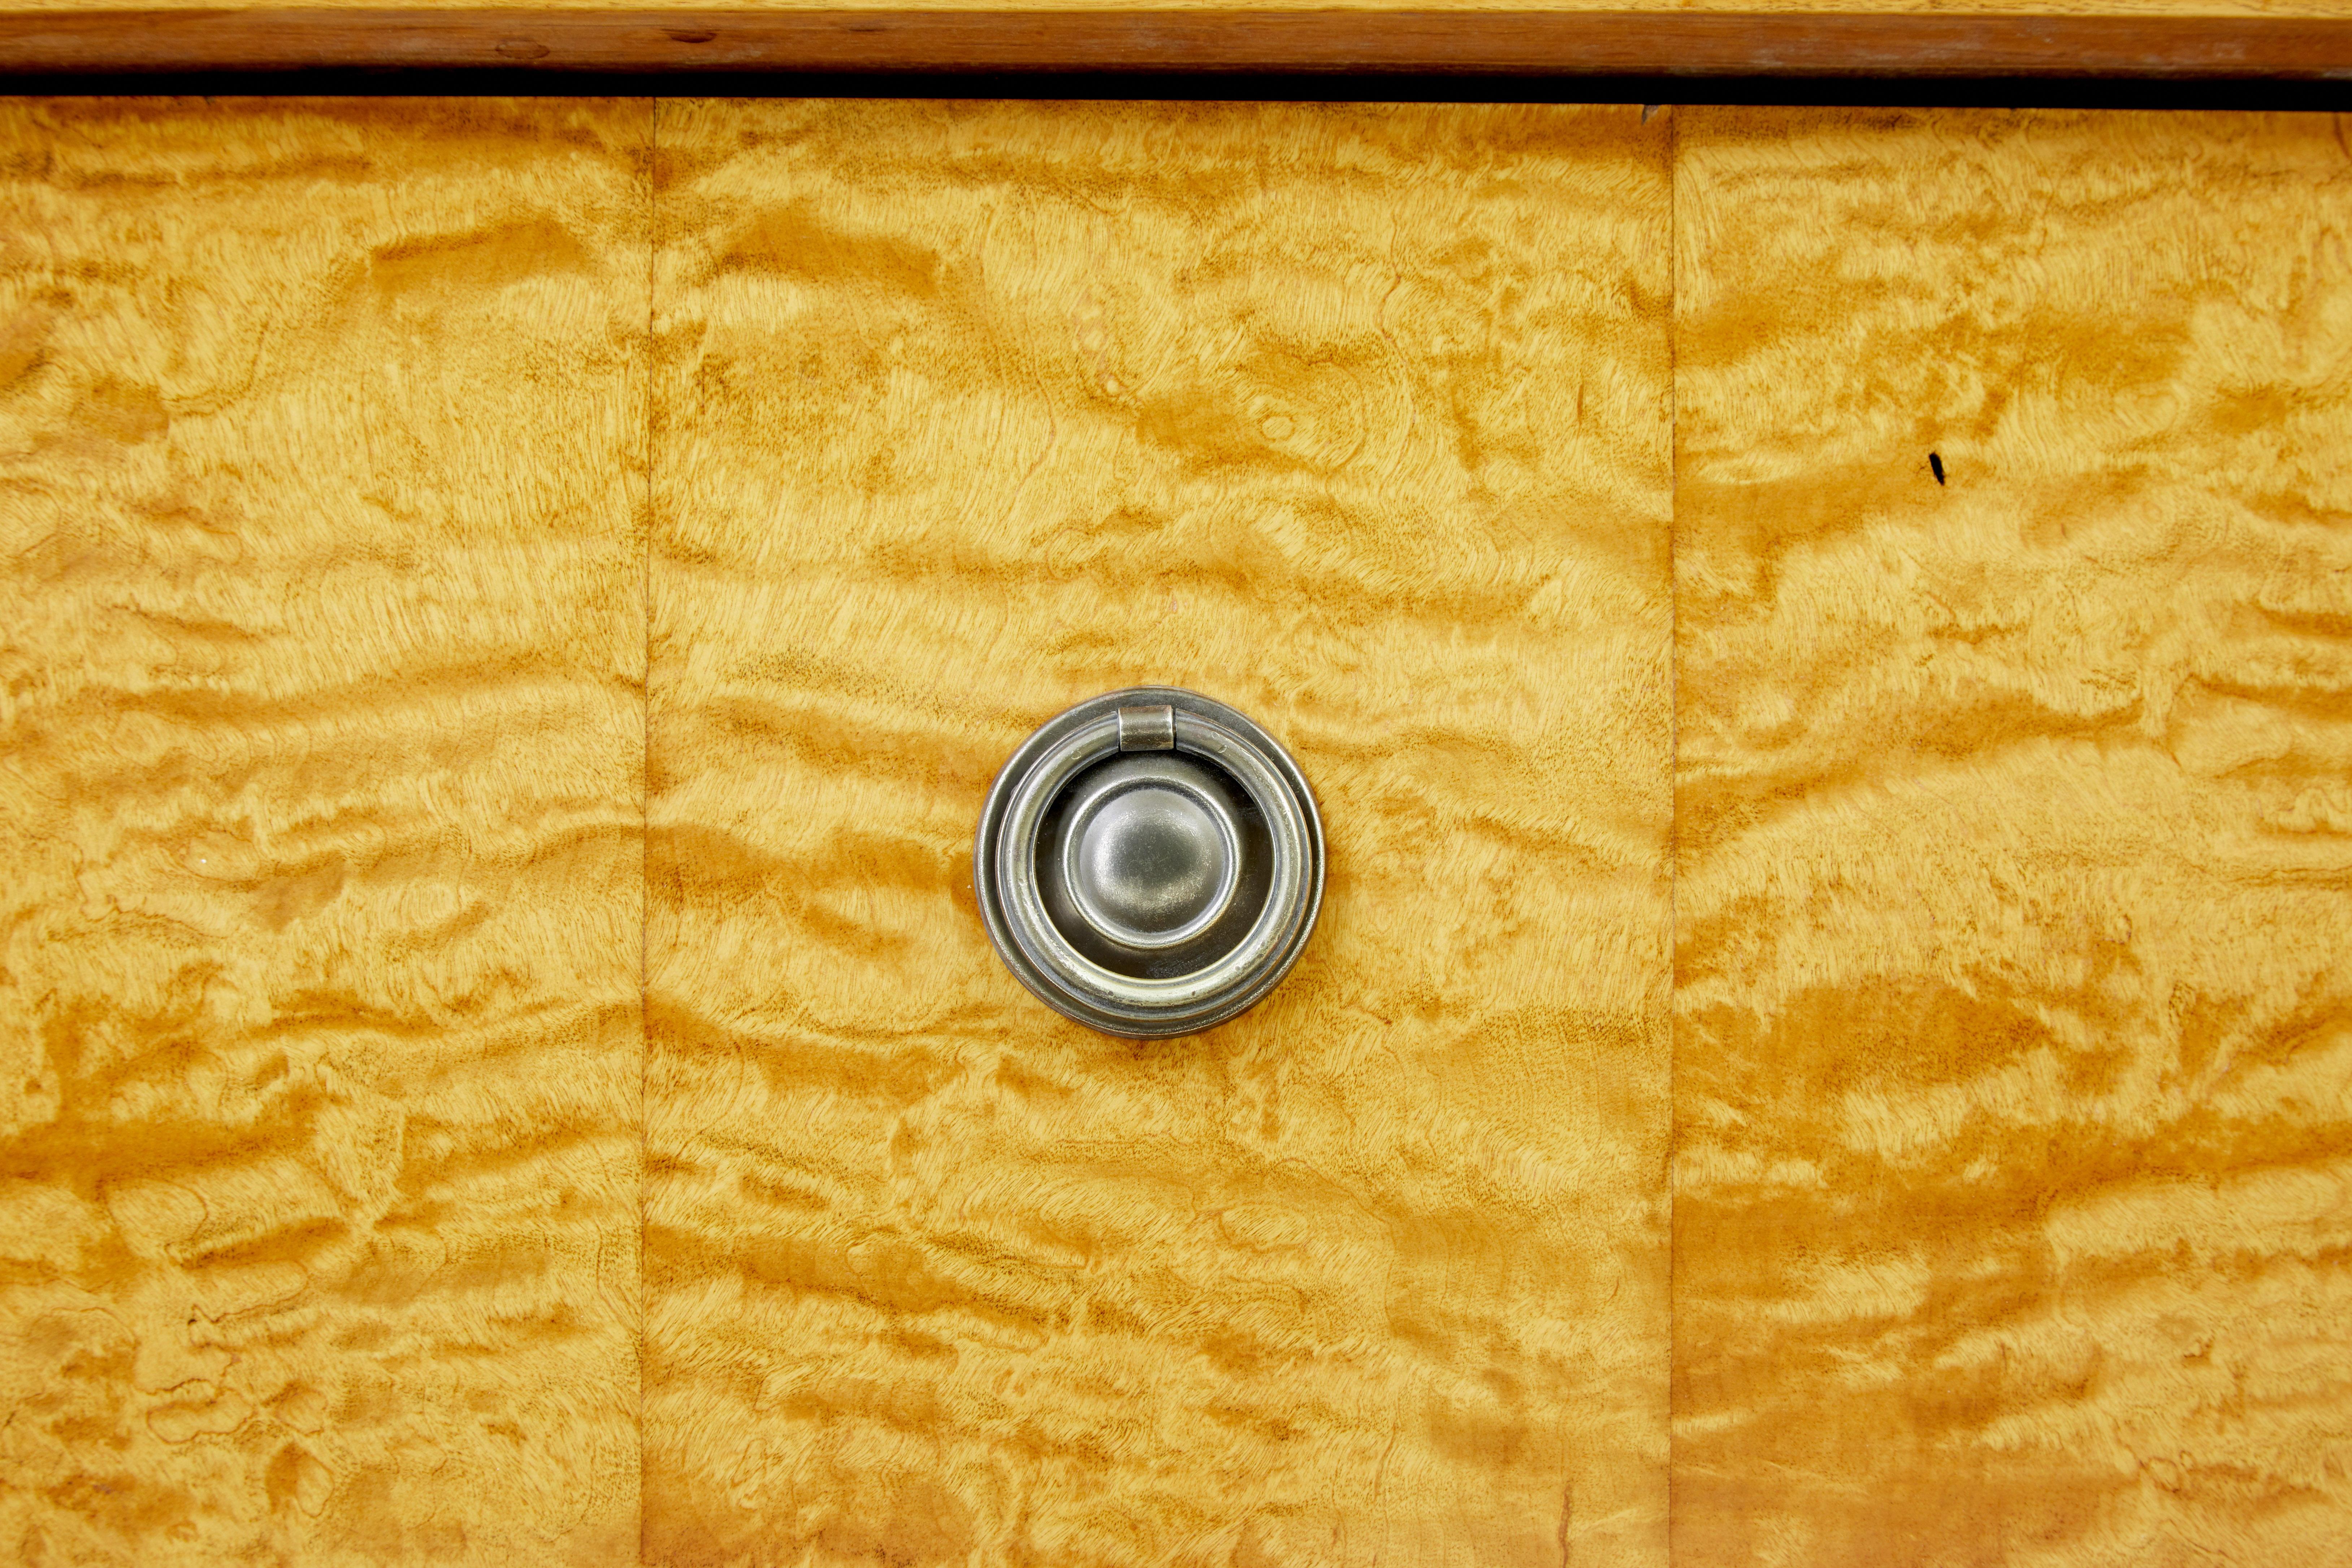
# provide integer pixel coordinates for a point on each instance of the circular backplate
(1150, 862)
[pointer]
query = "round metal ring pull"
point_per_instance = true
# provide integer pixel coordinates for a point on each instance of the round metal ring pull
(1150, 862)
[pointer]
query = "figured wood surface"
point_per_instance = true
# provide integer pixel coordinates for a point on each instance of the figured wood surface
(2014, 891)
(1355, 418)
(1443, 41)
(320, 759)
(2014, 1053)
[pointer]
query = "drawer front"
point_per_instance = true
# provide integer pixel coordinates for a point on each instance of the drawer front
(1818, 644)
(1355, 418)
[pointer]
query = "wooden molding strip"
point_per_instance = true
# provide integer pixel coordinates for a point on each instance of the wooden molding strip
(1494, 42)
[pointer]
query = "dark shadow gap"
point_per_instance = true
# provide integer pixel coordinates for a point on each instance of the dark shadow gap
(1363, 87)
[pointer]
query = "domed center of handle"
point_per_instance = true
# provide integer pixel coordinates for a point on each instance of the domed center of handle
(1150, 850)
(1151, 860)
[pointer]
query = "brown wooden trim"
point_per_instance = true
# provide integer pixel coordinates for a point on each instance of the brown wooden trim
(1529, 43)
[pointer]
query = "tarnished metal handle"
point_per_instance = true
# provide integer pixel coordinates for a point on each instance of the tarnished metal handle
(1150, 862)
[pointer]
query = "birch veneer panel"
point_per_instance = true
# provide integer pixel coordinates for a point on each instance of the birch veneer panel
(321, 763)
(2014, 894)
(2014, 1057)
(1355, 417)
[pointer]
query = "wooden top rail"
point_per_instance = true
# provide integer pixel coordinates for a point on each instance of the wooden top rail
(1697, 45)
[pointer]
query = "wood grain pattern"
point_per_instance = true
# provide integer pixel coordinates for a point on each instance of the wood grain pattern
(2013, 1038)
(2113, 9)
(1354, 418)
(2014, 1050)
(1441, 41)
(320, 831)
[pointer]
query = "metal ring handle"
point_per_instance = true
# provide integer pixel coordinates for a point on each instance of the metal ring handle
(1218, 836)
(1048, 947)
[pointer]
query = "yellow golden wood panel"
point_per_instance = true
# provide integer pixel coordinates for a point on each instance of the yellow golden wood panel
(2014, 1022)
(320, 815)
(1354, 418)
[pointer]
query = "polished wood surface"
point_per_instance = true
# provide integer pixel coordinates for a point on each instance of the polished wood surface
(1471, 41)
(320, 769)
(511, 609)
(2113, 10)
(1355, 418)
(2014, 895)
